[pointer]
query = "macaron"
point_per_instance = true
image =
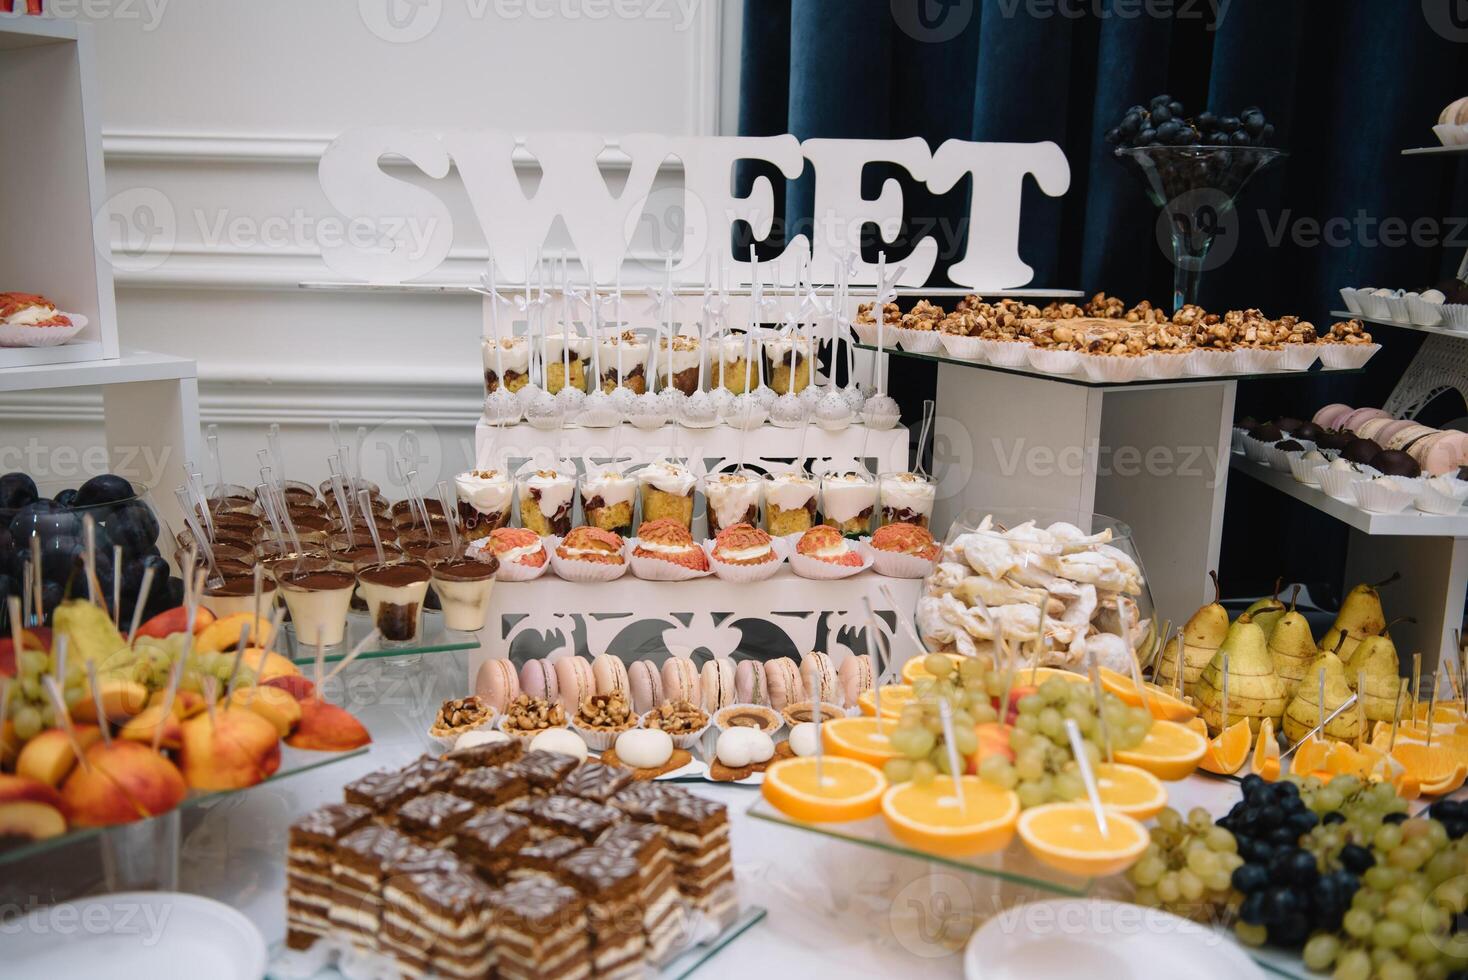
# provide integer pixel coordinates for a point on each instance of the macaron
(680, 681)
(717, 681)
(1373, 429)
(1361, 416)
(497, 684)
(782, 678)
(1401, 433)
(749, 683)
(576, 681)
(855, 676)
(646, 685)
(816, 668)
(538, 680)
(1449, 452)
(1330, 416)
(610, 675)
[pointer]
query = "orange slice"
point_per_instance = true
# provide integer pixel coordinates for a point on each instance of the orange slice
(1429, 766)
(1342, 759)
(894, 698)
(1170, 751)
(914, 668)
(1226, 754)
(930, 818)
(859, 738)
(847, 790)
(1066, 837)
(1163, 704)
(1196, 724)
(1310, 757)
(1042, 674)
(1129, 790)
(1449, 784)
(1266, 752)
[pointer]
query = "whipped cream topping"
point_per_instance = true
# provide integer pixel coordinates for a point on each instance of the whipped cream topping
(730, 495)
(31, 315)
(524, 551)
(845, 495)
(908, 491)
(554, 343)
(487, 491)
(555, 490)
(514, 354)
(612, 487)
(778, 349)
(789, 491)
(744, 554)
(660, 548)
(668, 477)
(633, 350)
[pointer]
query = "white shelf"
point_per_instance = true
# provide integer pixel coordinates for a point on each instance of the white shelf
(22, 30)
(1423, 151)
(131, 366)
(1444, 330)
(1409, 523)
(71, 353)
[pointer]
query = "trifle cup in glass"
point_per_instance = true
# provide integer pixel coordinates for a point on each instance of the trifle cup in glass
(733, 498)
(782, 379)
(236, 594)
(394, 594)
(734, 370)
(463, 586)
(566, 357)
(633, 352)
(906, 498)
(485, 500)
(687, 352)
(790, 503)
(514, 359)
(667, 492)
(318, 602)
(546, 499)
(848, 501)
(608, 498)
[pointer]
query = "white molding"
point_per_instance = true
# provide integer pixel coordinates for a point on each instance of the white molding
(706, 88)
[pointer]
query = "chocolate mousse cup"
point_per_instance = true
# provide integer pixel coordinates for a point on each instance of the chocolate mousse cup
(395, 595)
(236, 594)
(318, 602)
(463, 587)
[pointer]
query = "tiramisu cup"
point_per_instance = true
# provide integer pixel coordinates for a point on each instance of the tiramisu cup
(906, 498)
(546, 497)
(463, 586)
(318, 603)
(394, 595)
(485, 499)
(733, 498)
(790, 503)
(735, 371)
(236, 594)
(777, 364)
(686, 356)
(667, 492)
(627, 353)
(608, 498)
(848, 501)
(561, 361)
(514, 358)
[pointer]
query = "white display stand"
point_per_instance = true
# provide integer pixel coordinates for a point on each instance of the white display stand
(54, 237)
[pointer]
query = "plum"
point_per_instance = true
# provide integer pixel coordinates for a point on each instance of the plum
(133, 526)
(46, 518)
(17, 490)
(67, 497)
(104, 489)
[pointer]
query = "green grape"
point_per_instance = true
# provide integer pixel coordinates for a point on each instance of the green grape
(1357, 923)
(1170, 820)
(1169, 887)
(966, 740)
(1190, 885)
(1030, 704)
(1354, 964)
(1069, 786)
(1251, 935)
(898, 770)
(923, 772)
(1321, 951)
(1220, 840)
(1389, 935)
(1149, 870)
(32, 663)
(27, 722)
(938, 665)
(1220, 881)
(1202, 862)
(1030, 764)
(915, 743)
(1030, 794)
(1421, 948)
(984, 713)
(1396, 970)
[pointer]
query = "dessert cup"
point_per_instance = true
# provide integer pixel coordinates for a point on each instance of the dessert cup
(667, 492)
(777, 364)
(394, 594)
(790, 503)
(296, 492)
(634, 353)
(608, 498)
(514, 358)
(464, 586)
(735, 372)
(236, 594)
(906, 498)
(346, 558)
(687, 353)
(485, 500)
(563, 357)
(318, 602)
(733, 498)
(848, 501)
(546, 499)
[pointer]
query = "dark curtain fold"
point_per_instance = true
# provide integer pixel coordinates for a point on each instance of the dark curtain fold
(1347, 83)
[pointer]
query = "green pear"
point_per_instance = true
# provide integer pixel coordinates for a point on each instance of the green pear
(1268, 612)
(1293, 646)
(1376, 661)
(1360, 616)
(1255, 690)
(1304, 712)
(1194, 646)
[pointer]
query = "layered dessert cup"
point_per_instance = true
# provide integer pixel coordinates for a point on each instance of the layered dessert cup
(346, 556)
(790, 503)
(514, 359)
(782, 379)
(485, 501)
(733, 498)
(848, 501)
(907, 498)
(608, 498)
(546, 497)
(566, 357)
(296, 492)
(236, 594)
(736, 372)
(628, 354)
(667, 492)
(394, 594)
(318, 602)
(687, 353)
(464, 586)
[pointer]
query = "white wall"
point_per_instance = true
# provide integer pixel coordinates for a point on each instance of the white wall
(214, 115)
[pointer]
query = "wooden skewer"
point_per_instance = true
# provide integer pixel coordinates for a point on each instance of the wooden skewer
(175, 674)
(58, 702)
(97, 702)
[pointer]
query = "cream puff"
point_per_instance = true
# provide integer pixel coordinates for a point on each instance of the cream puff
(905, 539)
(646, 684)
(670, 541)
(592, 544)
(782, 679)
(744, 544)
(816, 670)
(576, 682)
(824, 543)
(610, 675)
(497, 684)
(680, 681)
(717, 681)
(517, 545)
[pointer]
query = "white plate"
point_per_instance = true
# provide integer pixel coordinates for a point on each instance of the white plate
(142, 935)
(1067, 938)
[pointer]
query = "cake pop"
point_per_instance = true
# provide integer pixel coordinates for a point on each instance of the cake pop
(598, 411)
(723, 401)
(624, 400)
(543, 411)
(855, 398)
(832, 412)
(648, 411)
(745, 411)
(501, 405)
(881, 412)
(699, 411)
(571, 400)
(672, 400)
(787, 410)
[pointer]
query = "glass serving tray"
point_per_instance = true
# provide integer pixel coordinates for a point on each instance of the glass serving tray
(1013, 865)
(432, 638)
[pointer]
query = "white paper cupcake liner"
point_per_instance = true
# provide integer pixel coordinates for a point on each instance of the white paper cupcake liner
(20, 335)
(834, 425)
(707, 423)
(499, 724)
(1379, 498)
(648, 422)
(658, 570)
(572, 570)
(880, 423)
(1280, 460)
(1164, 367)
(1396, 308)
(1456, 315)
(813, 568)
(1009, 353)
(1112, 369)
(750, 421)
(1299, 357)
(895, 565)
(1347, 356)
(1373, 306)
(865, 332)
(604, 419)
(1236, 439)
(599, 740)
(685, 741)
(963, 348)
(745, 704)
(1423, 313)
(509, 571)
(919, 341)
(1339, 484)
(1058, 363)
(1430, 500)
(1451, 134)
(489, 724)
(1304, 471)
(1208, 363)
(747, 573)
(1348, 296)
(1256, 451)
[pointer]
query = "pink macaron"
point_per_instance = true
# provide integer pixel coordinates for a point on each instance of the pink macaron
(1374, 428)
(1361, 416)
(1431, 451)
(717, 681)
(1451, 453)
(855, 676)
(749, 683)
(1405, 437)
(497, 684)
(610, 675)
(576, 681)
(1330, 416)
(816, 671)
(646, 684)
(538, 680)
(1390, 430)
(680, 681)
(782, 678)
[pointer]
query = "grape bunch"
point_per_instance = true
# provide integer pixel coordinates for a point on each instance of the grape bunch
(154, 658)
(1043, 768)
(30, 708)
(1164, 122)
(971, 689)
(1188, 867)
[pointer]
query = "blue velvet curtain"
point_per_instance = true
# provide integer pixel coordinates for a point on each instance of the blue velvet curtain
(1348, 84)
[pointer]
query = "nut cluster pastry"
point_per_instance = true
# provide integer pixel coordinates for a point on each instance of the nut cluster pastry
(676, 718)
(606, 712)
(460, 715)
(527, 714)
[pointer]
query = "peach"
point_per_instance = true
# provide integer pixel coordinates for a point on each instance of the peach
(30, 809)
(122, 782)
(272, 704)
(295, 685)
(143, 726)
(176, 620)
(49, 757)
(9, 743)
(326, 728)
(224, 634)
(186, 704)
(268, 665)
(230, 750)
(121, 699)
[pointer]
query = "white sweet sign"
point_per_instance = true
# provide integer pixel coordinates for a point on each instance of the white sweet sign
(600, 223)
